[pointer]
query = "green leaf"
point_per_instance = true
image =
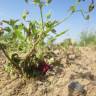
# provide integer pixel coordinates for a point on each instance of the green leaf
(32, 26)
(26, 1)
(55, 37)
(11, 22)
(58, 35)
(73, 8)
(19, 35)
(18, 31)
(5, 21)
(91, 7)
(36, 1)
(48, 16)
(48, 1)
(25, 14)
(8, 29)
(50, 24)
(53, 31)
(87, 17)
(79, 0)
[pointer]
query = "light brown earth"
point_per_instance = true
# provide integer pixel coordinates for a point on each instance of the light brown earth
(82, 69)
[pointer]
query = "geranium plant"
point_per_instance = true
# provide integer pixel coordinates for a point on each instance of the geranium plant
(28, 38)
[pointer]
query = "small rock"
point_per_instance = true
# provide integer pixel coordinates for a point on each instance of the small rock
(39, 83)
(72, 57)
(76, 89)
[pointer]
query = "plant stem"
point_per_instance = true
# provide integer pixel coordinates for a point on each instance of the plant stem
(41, 13)
(5, 53)
(8, 57)
(40, 35)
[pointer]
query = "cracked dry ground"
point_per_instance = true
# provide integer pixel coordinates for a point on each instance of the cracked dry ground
(83, 70)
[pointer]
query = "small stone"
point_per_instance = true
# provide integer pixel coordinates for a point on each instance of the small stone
(72, 57)
(76, 89)
(39, 83)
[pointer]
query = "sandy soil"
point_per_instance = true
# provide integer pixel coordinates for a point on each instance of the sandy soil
(82, 69)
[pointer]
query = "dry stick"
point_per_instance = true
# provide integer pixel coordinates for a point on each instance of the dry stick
(11, 61)
(5, 53)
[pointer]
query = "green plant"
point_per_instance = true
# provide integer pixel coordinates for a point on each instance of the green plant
(29, 38)
(87, 38)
